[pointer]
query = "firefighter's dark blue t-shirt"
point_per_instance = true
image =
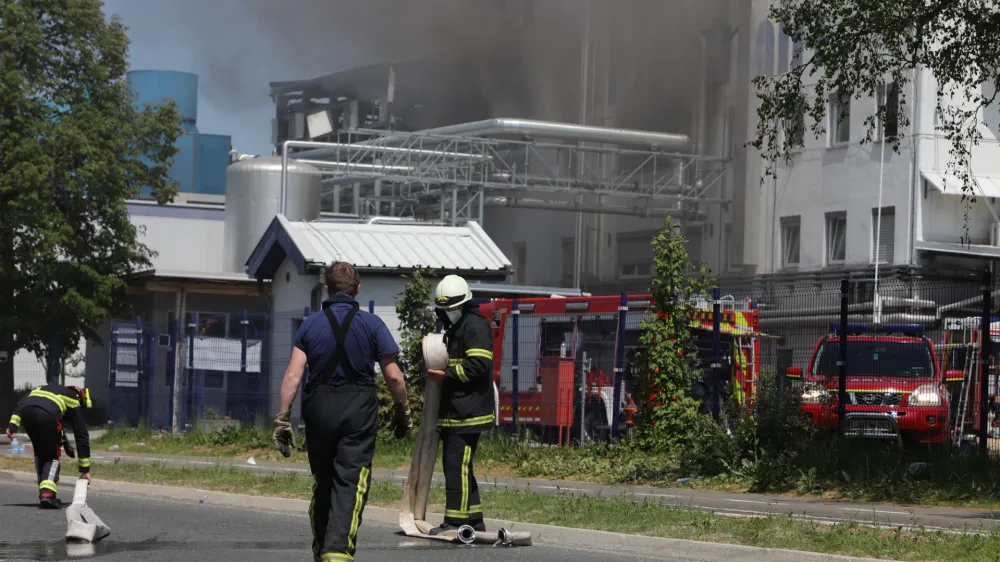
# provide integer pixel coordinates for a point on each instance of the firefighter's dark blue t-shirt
(368, 341)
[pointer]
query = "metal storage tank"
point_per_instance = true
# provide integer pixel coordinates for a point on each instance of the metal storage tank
(253, 193)
(155, 86)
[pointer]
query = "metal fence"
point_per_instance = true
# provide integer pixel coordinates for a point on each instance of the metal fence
(902, 358)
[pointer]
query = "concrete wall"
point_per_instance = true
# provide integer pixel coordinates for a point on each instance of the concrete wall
(187, 243)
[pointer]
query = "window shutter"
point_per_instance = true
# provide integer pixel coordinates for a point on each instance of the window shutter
(635, 250)
(885, 252)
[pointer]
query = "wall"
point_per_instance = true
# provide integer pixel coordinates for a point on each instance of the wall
(186, 239)
(822, 179)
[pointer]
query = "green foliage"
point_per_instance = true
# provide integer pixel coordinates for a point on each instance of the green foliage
(415, 321)
(670, 421)
(853, 47)
(74, 149)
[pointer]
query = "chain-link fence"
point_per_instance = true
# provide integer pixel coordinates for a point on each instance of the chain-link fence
(901, 359)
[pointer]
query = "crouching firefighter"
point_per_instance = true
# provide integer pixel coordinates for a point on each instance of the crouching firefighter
(41, 414)
(467, 400)
(340, 347)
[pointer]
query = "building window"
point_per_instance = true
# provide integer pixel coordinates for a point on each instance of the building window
(840, 119)
(791, 228)
(783, 43)
(884, 235)
(765, 48)
(836, 238)
(793, 130)
(635, 256)
(568, 259)
(887, 95)
(520, 262)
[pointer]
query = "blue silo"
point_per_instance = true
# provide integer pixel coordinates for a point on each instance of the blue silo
(200, 166)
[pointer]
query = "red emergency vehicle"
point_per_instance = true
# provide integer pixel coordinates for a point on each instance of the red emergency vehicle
(566, 359)
(895, 385)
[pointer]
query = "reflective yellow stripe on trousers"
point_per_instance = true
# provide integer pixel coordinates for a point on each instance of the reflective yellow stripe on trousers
(358, 497)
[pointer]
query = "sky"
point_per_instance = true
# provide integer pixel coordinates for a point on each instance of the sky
(222, 42)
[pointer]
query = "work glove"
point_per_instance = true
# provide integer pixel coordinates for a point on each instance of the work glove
(283, 436)
(70, 451)
(402, 422)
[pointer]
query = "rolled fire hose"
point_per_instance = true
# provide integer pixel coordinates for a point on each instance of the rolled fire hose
(82, 523)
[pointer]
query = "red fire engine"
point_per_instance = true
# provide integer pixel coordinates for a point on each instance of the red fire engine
(566, 359)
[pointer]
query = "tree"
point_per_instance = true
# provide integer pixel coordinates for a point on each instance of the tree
(855, 47)
(669, 418)
(415, 321)
(73, 149)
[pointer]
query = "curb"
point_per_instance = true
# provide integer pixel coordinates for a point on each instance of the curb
(543, 535)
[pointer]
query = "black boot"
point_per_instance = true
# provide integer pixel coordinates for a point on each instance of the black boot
(442, 528)
(48, 500)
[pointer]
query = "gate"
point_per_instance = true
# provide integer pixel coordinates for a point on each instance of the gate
(131, 371)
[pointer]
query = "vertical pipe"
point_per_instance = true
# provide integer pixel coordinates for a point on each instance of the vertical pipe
(190, 363)
(171, 374)
(371, 307)
(716, 354)
(151, 370)
(516, 311)
(243, 355)
(845, 287)
(140, 368)
(284, 176)
(180, 301)
(454, 206)
(482, 219)
(584, 100)
(619, 363)
(985, 354)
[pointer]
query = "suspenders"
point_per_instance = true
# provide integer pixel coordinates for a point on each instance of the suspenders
(340, 353)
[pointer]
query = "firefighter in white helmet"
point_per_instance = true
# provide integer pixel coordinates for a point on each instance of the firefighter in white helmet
(467, 402)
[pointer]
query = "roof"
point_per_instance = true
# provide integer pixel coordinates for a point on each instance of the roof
(507, 289)
(200, 276)
(376, 247)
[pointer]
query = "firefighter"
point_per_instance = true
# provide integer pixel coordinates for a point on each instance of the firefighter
(467, 401)
(41, 413)
(340, 347)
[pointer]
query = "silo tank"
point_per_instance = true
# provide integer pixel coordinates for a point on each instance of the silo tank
(253, 198)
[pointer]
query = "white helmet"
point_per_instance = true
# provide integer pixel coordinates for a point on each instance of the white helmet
(451, 292)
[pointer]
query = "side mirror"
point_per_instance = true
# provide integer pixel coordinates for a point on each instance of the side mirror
(794, 373)
(954, 375)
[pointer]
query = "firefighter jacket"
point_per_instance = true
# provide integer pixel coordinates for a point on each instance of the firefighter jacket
(63, 404)
(467, 402)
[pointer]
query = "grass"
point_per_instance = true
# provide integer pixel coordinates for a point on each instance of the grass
(650, 518)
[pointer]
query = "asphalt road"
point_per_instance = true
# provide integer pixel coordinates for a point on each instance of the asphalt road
(153, 529)
(734, 504)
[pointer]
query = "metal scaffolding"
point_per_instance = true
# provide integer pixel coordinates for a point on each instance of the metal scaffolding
(452, 177)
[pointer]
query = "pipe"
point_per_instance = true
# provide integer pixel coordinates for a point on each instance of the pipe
(565, 131)
(963, 303)
(356, 166)
(823, 319)
(327, 149)
(575, 207)
(854, 308)
(403, 220)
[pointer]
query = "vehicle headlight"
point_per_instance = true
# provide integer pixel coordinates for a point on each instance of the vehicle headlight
(926, 395)
(815, 393)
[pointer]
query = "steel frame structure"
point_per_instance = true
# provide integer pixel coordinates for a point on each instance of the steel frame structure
(453, 177)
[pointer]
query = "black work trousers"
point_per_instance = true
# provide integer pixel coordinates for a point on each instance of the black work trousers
(462, 504)
(341, 427)
(45, 433)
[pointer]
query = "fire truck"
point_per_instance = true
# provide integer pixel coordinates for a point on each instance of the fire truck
(959, 352)
(568, 349)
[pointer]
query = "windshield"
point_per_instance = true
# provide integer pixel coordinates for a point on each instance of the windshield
(869, 358)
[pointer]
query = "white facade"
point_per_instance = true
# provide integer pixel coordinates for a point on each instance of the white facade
(822, 212)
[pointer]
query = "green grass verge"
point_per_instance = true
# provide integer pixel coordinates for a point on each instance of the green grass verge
(650, 518)
(865, 473)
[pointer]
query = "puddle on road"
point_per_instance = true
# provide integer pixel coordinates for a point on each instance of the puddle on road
(62, 550)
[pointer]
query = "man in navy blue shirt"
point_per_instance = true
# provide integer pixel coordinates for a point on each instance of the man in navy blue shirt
(340, 347)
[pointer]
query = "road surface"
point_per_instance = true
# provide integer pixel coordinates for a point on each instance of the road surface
(153, 529)
(735, 504)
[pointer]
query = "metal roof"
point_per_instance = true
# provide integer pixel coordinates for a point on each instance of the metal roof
(176, 274)
(534, 290)
(377, 247)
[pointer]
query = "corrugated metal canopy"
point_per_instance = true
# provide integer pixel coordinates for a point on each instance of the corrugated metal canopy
(385, 247)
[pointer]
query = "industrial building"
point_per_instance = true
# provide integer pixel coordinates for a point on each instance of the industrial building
(548, 148)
